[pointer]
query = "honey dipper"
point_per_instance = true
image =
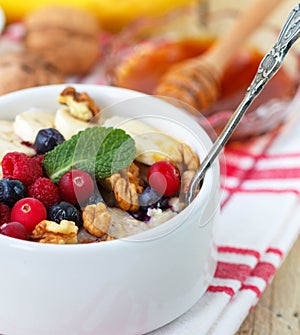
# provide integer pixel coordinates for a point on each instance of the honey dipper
(196, 81)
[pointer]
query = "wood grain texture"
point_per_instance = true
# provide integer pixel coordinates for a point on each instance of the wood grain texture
(278, 310)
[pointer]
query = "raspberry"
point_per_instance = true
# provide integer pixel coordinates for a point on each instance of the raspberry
(10, 159)
(4, 213)
(29, 212)
(39, 158)
(19, 166)
(44, 190)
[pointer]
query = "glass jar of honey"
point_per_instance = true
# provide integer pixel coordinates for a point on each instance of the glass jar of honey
(145, 50)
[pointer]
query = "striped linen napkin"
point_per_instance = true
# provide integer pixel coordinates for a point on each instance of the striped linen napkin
(260, 219)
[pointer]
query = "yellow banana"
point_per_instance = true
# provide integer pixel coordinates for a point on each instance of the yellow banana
(112, 14)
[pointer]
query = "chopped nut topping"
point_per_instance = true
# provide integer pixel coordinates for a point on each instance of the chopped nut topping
(81, 105)
(96, 219)
(64, 232)
(125, 193)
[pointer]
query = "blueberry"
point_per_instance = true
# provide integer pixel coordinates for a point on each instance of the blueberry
(148, 198)
(94, 199)
(64, 211)
(140, 215)
(11, 190)
(47, 139)
(163, 203)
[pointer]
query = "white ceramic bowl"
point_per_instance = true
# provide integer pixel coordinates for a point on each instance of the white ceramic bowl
(128, 286)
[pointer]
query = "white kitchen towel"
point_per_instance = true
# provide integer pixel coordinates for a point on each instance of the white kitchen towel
(260, 221)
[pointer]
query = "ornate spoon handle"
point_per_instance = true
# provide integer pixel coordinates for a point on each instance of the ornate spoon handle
(272, 61)
(269, 65)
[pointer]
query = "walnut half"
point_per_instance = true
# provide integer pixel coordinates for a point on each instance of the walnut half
(96, 219)
(64, 232)
(81, 105)
(125, 193)
(189, 158)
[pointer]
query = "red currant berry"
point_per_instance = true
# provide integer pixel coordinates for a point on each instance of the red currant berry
(29, 212)
(164, 178)
(76, 186)
(14, 229)
(4, 213)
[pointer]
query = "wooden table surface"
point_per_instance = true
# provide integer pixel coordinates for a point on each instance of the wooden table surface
(278, 310)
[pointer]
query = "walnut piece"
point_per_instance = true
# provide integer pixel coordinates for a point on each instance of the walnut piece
(96, 219)
(133, 175)
(64, 232)
(81, 105)
(186, 179)
(188, 164)
(189, 158)
(125, 192)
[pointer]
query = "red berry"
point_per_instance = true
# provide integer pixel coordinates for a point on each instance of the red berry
(76, 186)
(4, 213)
(44, 190)
(29, 212)
(164, 177)
(14, 229)
(19, 166)
(39, 158)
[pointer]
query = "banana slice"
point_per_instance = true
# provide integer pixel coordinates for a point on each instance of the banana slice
(28, 123)
(151, 144)
(67, 124)
(9, 141)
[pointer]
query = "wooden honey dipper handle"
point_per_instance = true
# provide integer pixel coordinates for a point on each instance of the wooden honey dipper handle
(246, 23)
(196, 81)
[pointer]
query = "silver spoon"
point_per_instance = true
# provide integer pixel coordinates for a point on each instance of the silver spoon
(269, 65)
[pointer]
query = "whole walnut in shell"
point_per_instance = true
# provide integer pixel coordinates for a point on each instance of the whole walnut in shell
(64, 36)
(23, 69)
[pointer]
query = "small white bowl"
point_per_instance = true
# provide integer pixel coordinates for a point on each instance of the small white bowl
(2, 20)
(127, 286)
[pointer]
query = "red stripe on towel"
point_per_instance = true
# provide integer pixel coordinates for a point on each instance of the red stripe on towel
(275, 251)
(232, 271)
(236, 171)
(240, 251)
(264, 270)
(276, 173)
(253, 288)
(261, 190)
(223, 289)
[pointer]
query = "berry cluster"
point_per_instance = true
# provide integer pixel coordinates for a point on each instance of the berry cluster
(28, 196)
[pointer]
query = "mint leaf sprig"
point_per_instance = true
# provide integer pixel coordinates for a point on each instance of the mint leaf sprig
(100, 151)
